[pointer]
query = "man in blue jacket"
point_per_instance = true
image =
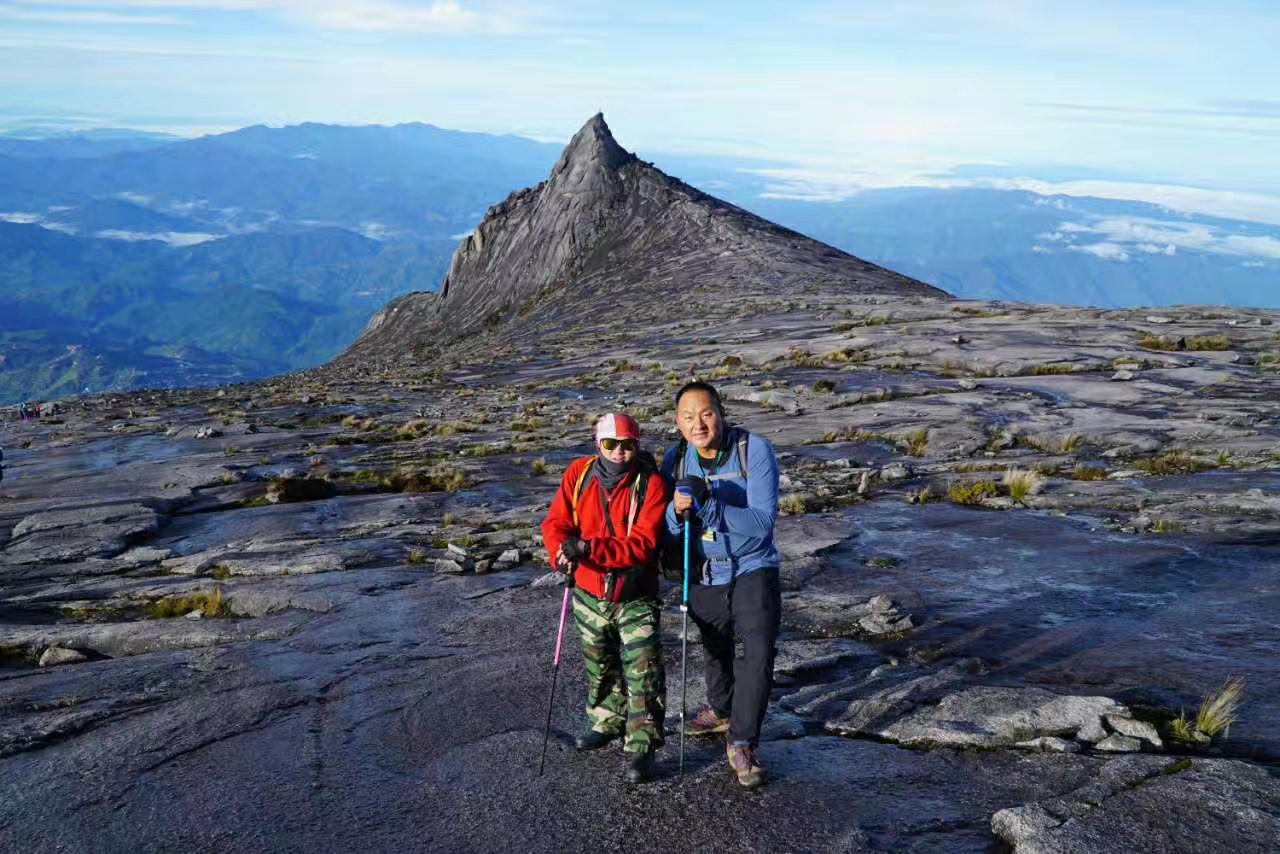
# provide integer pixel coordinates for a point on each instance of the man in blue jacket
(727, 485)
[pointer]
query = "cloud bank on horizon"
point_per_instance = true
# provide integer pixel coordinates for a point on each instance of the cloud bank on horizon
(1173, 101)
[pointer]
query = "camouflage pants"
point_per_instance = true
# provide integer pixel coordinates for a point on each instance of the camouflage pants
(622, 656)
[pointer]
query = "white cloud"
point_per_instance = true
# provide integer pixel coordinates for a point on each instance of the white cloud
(69, 16)
(21, 217)
(438, 16)
(1161, 238)
(376, 230)
(173, 238)
(1106, 251)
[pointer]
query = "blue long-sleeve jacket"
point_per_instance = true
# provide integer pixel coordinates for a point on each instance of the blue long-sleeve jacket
(741, 514)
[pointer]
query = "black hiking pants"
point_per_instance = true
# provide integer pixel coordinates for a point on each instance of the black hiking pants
(749, 610)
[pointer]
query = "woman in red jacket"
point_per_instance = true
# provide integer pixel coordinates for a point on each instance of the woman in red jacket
(604, 526)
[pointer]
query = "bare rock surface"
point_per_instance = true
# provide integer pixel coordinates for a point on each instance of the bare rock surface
(1238, 805)
(987, 543)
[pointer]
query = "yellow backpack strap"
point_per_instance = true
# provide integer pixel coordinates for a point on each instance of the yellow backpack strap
(577, 489)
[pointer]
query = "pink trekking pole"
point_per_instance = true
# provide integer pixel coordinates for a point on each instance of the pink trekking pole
(555, 671)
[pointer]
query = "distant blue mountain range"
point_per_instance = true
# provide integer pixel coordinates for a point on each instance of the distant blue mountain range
(131, 259)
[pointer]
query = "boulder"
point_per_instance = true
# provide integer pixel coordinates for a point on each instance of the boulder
(54, 655)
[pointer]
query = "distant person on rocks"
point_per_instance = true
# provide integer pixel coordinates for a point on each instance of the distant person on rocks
(726, 484)
(604, 529)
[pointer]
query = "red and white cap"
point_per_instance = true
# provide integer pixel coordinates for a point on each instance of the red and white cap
(617, 425)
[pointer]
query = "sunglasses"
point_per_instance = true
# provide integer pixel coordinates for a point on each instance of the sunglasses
(628, 445)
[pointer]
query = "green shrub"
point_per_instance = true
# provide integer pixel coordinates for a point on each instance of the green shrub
(972, 493)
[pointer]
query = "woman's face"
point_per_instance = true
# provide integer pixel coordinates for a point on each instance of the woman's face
(618, 450)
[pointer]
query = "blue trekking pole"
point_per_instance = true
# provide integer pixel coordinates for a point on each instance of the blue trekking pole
(684, 641)
(555, 671)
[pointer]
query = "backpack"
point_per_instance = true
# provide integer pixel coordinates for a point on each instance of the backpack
(671, 552)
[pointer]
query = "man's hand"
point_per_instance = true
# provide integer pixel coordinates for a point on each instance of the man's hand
(691, 494)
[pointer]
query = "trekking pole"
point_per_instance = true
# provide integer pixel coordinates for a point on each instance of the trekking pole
(555, 671)
(684, 644)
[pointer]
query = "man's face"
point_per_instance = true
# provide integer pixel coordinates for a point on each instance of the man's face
(699, 421)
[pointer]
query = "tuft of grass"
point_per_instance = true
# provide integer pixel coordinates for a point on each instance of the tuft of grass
(433, 480)
(1209, 342)
(487, 450)
(972, 493)
(917, 442)
(1183, 729)
(923, 495)
(1174, 462)
(1022, 484)
(417, 557)
(793, 505)
(538, 467)
(448, 428)
(1157, 342)
(210, 603)
(1050, 370)
(1219, 711)
(827, 386)
(413, 429)
(1071, 443)
(1087, 473)
(1165, 526)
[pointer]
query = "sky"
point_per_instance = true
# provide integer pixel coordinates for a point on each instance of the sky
(1176, 101)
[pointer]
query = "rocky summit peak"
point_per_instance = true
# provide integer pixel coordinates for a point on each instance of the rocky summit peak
(592, 147)
(605, 223)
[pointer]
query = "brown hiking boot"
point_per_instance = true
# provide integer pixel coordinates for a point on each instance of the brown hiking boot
(743, 761)
(706, 722)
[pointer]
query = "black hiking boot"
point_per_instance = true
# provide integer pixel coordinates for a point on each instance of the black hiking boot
(594, 740)
(640, 768)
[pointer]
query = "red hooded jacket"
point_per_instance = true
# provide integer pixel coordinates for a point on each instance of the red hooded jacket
(632, 556)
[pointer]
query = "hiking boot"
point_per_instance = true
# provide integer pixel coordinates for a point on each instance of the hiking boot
(594, 739)
(743, 761)
(706, 722)
(640, 768)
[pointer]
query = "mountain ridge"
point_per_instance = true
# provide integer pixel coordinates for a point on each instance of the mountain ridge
(606, 222)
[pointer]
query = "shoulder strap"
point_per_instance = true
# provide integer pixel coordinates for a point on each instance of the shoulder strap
(639, 489)
(681, 450)
(743, 437)
(578, 486)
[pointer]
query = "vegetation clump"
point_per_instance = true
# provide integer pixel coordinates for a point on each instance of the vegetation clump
(442, 479)
(1022, 484)
(209, 603)
(1218, 711)
(972, 493)
(1174, 462)
(916, 442)
(793, 505)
